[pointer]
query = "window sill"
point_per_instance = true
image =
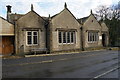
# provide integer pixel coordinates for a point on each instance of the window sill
(66, 43)
(32, 45)
(93, 42)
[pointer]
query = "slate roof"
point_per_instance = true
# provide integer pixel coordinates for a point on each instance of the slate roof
(45, 18)
(14, 17)
(82, 20)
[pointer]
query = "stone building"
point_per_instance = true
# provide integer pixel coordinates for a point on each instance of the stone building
(94, 33)
(61, 32)
(30, 31)
(64, 31)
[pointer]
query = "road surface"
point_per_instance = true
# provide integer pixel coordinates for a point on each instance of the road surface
(95, 64)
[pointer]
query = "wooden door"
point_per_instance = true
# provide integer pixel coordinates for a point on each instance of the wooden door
(103, 40)
(6, 45)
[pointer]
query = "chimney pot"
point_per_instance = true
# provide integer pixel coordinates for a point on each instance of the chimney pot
(8, 8)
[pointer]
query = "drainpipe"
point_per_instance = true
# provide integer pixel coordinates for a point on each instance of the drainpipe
(16, 38)
(81, 37)
(49, 35)
(46, 34)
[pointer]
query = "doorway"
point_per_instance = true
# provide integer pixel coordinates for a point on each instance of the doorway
(6, 45)
(104, 40)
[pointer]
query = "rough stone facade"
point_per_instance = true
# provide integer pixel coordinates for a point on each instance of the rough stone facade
(90, 24)
(64, 21)
(61, 32)
(30, 22)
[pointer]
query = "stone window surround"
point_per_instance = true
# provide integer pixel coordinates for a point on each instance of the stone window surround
(32, 31)
(94, 35)
(66, 36)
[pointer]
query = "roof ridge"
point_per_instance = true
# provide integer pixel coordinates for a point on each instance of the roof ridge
(5, 20)
(34, 12)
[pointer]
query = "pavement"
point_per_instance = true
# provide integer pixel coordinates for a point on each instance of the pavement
(37, 55)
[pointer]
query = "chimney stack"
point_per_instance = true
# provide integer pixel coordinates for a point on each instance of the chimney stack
(8, 8)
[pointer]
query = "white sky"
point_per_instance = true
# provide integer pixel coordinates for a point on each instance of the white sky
(79, 8)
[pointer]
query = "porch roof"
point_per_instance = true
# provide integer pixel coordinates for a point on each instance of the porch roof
(6, 28)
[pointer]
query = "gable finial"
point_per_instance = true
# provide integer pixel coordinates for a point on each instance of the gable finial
(49, 15)
(31, 7)
(65, 6)
(91, 11)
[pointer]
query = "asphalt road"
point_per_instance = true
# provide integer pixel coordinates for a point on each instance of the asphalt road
(96, 64)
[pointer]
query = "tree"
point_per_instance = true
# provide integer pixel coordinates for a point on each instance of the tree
(102, 12)
(111, 16)
(109, 12)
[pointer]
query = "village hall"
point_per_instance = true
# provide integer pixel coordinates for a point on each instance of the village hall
(31, 33)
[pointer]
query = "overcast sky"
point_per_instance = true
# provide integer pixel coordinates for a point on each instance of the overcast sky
(80, 8)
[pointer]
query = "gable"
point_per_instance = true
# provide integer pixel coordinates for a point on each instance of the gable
(6, 28)
(31, 20)
(104, 27)
(65, 19)
(91, 23)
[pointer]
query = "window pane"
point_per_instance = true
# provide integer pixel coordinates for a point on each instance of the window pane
(64, 37)
(29, 39)
(95, 36)
(68, 37)
(35, 40)
(72, 36)
(60, 37)
(34, 33)
(88, 36)
(29, 33)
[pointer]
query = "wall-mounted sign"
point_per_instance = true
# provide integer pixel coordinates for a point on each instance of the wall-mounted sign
(100, 37)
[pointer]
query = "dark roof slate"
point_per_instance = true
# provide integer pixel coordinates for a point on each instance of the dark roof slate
(82, 20)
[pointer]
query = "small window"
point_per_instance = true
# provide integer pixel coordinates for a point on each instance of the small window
(32, 37)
